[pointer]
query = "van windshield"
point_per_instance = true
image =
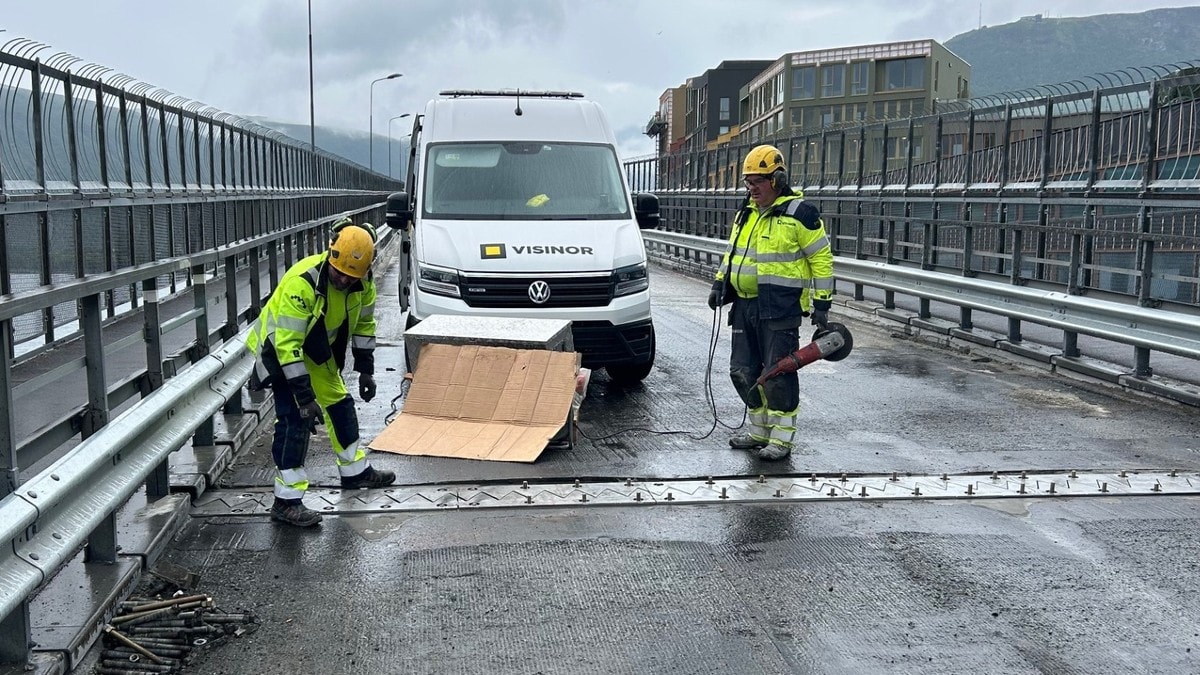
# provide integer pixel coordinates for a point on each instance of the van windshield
(524, 181)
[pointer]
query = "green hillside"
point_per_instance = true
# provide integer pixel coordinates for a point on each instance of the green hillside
(1036, 50)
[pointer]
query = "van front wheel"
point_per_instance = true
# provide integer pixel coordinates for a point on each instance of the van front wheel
(636, 372)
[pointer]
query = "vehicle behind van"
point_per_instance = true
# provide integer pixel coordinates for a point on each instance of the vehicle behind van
(517, 206)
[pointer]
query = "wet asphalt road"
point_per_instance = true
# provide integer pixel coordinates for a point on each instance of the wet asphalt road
(1078, 585)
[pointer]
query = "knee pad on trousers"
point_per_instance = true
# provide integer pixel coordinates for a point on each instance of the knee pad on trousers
(745, 382)
(343, 421)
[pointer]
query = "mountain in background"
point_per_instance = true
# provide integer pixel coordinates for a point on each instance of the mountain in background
(351, 144)
(1036, 50)
(1031, 51)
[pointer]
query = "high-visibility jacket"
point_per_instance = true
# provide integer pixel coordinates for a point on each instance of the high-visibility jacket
(306, 318)
(775, 257)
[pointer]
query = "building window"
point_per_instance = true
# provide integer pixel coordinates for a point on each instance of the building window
(833, 80)
(904, 74)
(797, 117)
(860, 74)
(804, 83)
(831, 114)
(722, 130)
(724, 108)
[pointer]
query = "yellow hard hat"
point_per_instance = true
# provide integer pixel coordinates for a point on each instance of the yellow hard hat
(763, 160)
(352, 250)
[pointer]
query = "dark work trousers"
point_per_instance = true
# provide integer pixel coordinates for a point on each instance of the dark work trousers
(289, 447)
(756, 347)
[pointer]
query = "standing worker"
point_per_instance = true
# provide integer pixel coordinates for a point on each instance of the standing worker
(322, 302)
(778, 270)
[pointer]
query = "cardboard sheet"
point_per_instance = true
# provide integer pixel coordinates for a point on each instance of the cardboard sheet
(481, 402)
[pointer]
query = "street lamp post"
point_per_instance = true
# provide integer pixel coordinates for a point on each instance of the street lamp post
(312, 106)
(371, 139)
(390, 141)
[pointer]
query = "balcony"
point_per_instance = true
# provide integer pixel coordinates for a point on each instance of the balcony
(656, 125)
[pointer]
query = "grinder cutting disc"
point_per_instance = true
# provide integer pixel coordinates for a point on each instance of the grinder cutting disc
(847, 338)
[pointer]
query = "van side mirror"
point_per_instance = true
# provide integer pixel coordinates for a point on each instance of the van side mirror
(399, 212)
(645, 209)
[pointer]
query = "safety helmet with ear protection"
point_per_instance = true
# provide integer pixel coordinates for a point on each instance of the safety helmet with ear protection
(341, 223)
(352, 250)
(766, 160)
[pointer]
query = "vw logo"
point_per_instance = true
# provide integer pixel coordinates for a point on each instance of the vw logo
(539, 292)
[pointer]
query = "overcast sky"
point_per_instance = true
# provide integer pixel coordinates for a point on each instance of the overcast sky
(250, 57)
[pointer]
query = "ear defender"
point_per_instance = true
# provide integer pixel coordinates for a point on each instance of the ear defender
(779, 179)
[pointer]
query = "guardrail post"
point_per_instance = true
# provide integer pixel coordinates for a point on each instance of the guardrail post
(205, 433)
(1141, 366)
(93, 347)
(158, 483)
(965, 320)
(151, 334)
(43, 222)
(16, 636)
(231, 299)
(1070, 344)
(8, 433)
(102, 541)
(1088, 251)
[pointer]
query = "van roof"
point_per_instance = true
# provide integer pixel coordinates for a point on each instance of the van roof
(492, 116)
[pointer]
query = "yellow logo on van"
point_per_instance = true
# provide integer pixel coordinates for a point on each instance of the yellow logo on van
(490, 251)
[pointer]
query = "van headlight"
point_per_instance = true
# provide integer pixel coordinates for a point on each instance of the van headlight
(630, 280)
(438, 282)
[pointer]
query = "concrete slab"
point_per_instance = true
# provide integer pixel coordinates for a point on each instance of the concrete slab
(516, 333)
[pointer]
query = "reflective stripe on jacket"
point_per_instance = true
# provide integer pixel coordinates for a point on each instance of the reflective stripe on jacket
(304, 316)
(774, 257)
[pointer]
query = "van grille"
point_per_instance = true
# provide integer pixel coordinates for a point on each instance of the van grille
(595, 291)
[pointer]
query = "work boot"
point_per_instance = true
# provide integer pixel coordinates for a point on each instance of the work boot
(773, 452)
(371, 478)
(294, 513)
(746, 442)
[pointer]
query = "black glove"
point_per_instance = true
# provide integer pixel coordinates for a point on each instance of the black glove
(716, 295)
(808, 215)
(820, 318)
(366, 386)
(310, 414)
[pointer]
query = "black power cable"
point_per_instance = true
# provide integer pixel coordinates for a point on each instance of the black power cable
(709, 397)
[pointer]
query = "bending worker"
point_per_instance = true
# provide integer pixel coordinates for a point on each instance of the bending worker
(322, 302)
(778, 270)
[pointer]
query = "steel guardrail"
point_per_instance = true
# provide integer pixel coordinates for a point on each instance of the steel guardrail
(1145, 327)
(47, 520)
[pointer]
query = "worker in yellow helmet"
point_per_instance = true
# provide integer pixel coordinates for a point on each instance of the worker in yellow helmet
(322, 299)
(778, 270)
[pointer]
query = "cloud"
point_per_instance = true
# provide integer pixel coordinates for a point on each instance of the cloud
(250, 57)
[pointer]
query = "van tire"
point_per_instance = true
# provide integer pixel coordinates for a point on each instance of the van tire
(636, 372)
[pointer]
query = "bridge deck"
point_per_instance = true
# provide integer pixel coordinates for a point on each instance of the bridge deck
(1068, 584)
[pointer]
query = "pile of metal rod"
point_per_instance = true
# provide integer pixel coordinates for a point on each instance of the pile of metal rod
(157, 636)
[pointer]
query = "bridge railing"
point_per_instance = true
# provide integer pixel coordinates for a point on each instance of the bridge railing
(115, 198)
(139, 232)
(1116, 138)
(1062, 190)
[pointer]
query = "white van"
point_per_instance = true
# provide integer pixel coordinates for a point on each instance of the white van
(517, 206)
